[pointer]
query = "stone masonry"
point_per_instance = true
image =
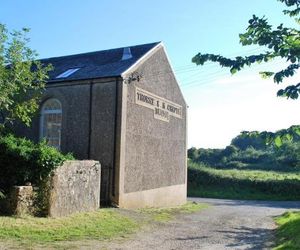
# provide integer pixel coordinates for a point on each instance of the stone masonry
(21, 200)
(75, 187)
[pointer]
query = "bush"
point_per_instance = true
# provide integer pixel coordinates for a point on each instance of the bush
(1, 195)
(250, 155)
(210, 156)
(289, 154)
(266, 182)
(193, 153)
(235, 164)
(249, 138)
(23, 161)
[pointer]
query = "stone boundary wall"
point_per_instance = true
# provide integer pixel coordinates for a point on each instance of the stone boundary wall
(75, 187)
(21, 200)
(18, 202)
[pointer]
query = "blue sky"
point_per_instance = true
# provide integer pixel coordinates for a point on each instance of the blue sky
(220, 106)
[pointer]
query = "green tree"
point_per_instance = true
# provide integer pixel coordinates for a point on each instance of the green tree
(289, 154)
(193, 153)
(280, 42)
(22, 78)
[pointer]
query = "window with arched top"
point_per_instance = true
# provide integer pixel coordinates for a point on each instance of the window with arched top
(51, 121)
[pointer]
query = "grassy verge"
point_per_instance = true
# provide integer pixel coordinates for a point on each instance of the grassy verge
(233, 193)
(166, 214)
(288, 232)
(103, 224)
(242, 184)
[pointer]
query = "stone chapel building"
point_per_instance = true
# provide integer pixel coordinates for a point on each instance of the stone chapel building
(124, 108)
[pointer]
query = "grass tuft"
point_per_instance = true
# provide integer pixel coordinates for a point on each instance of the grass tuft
(167, 214)
(288, 232)
(102, 224)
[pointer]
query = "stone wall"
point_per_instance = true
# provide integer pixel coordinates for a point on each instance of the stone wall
(75, 187)
(18, 202)
(21, 200)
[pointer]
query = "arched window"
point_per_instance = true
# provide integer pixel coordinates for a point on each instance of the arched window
(50, 125)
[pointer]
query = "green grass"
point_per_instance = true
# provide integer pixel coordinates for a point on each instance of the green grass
(102, 224)
(233, 193)
(288, 232)
(166, 214)
(253, 175)
(242, 184)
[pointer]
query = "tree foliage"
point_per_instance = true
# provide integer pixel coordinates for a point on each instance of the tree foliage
(249, 149)
(22, 77)
(22, 160)
(280, 42)
(265, 139)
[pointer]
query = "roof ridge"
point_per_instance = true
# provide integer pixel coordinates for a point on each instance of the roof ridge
(97, 51)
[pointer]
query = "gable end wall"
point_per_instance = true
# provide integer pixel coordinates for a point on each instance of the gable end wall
(154, 163)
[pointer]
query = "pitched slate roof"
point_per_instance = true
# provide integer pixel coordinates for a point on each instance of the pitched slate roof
(105, 63)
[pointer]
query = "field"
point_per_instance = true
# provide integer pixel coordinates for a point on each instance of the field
(204, 181)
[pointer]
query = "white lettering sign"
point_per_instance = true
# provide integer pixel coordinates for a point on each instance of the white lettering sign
(162, 108)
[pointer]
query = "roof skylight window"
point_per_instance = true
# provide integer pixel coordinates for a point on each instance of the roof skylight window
(67, 73)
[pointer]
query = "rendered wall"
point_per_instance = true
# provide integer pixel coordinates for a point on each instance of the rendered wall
(153, 164)
(88, 123)
(75, 118)
(75, 187)
(103, 131)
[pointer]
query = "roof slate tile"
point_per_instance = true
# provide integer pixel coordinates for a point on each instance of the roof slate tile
(99, 64)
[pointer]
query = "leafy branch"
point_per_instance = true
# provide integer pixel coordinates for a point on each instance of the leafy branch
(280, 42)
(22, 77)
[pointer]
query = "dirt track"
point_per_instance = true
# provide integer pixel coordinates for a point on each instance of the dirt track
(227, 224)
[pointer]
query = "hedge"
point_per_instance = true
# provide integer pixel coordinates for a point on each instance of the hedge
(23, 161)
(205, 176)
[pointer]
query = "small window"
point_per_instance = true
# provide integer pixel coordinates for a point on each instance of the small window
(51, 120)
(67, 73)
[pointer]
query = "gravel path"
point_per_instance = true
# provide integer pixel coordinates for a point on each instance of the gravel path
(228, 224)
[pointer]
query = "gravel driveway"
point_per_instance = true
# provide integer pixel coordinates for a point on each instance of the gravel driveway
(228, 224)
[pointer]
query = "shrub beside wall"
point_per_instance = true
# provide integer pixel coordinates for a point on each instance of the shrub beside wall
(23, 162)
(71, 188)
